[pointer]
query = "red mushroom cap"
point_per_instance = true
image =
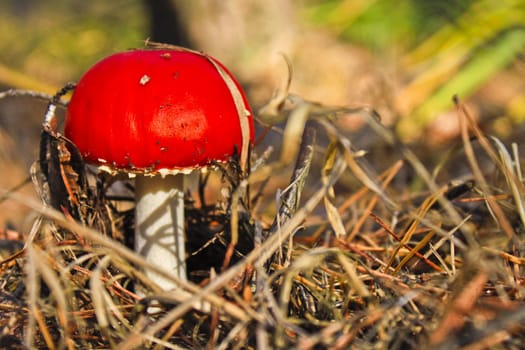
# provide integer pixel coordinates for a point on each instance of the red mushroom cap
(150, 111)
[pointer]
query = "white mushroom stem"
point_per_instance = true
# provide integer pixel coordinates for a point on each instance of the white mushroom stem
(159, 224)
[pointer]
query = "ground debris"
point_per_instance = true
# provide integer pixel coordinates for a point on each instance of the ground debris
(341, 256)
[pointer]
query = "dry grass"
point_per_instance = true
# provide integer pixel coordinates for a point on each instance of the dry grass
(348, 258)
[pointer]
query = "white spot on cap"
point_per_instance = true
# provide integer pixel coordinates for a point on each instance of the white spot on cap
(145, 79)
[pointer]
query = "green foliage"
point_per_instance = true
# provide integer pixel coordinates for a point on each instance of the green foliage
(382, 24)
(54, 41)
(487, 61)
(447, 47)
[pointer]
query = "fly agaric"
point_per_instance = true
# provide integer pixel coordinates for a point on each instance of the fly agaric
(159, 114)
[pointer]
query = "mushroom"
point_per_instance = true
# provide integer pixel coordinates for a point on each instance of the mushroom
(158, 114)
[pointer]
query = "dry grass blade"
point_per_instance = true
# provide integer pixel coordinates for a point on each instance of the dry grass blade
(388, 177)
(415, 252)
(292, 132)
(467, 121)
(353, 277)
(511, 170)
(404, 245)
(271, 112)
(407, 235)
(448, 238)
(106, 311)
(289, 199)
(350, 158)
(58, 291)
(35, 316)
(32, 94)
(331, 210)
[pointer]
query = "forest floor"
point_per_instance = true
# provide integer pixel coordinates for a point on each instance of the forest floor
(393, 247)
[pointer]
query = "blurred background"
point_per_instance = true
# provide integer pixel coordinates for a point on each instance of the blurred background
(406, 59)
